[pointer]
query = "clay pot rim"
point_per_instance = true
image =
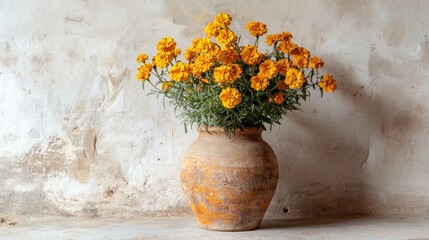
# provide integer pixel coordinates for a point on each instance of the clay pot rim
(219, 130)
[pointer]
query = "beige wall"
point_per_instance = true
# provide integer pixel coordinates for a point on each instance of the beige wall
(79, 136)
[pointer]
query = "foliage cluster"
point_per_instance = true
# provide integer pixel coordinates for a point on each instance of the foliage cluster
(223, 84)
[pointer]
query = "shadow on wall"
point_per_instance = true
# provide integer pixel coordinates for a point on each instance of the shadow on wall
(333, 163)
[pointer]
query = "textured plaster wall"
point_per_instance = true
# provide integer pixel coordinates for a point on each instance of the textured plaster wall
(79, 137)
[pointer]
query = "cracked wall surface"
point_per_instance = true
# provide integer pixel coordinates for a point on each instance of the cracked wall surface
(79, 137)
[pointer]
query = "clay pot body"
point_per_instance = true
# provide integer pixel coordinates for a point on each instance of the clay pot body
(229, 183)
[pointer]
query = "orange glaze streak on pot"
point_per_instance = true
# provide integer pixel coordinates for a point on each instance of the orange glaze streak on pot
(229, 192)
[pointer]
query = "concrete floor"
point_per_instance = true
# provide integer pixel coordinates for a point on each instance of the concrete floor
(186, 228)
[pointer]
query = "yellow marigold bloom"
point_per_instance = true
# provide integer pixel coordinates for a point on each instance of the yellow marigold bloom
(328, 83)
(221, 75)
(143, 72)
(222, 19)
(202, 64)
(236, 70)
(300, 61)
(162, 59)
(256, 29)
(166, 44)
(258, 82)
(285, 36)
(251, 55)
(194, 44)
(283, 65)
(272, 38)
(230, 97)
(190, 55)
(300, 57)
(278, 98)
(226, 38)
(287, 46)
(227, 73)
(227, 56)
(202, 44)
(294, 78)
(142, 58)
(300, 51)
(206, 46)
(212, 29)
(316, 62)
(180, 72)
(177, 52)
(268, 69)
(166, 86)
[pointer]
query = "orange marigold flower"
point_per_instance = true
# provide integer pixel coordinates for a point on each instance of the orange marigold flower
(300, 51)
(287, 46)
(177, 52)
(227, 56)
(226, 38)
(278, 98)
(251, 55)
(256, 29)
(236, 70)
(258, 82)
(328, 83)
(180, 72)
(294, 78)
(300, 61)
(285, 36)
(268, 69)
(212, 29)
(316, 62)
(206, 46)
(283, 65)
(194, 44)
(143, 72)
(142, 58)
(202, 64)
(166, 44)
(300, 57)
(190, 55)
(222, 19)
(272, 38)
(230, 97)
(162, 59)
(227, 73)
(166, 86)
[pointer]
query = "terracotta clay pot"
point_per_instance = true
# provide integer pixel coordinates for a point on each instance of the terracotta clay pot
(229, 183)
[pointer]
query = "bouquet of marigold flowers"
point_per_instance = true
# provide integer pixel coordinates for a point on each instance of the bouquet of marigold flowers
(222, 84)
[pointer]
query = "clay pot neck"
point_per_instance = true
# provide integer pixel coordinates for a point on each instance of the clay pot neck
(249, 132)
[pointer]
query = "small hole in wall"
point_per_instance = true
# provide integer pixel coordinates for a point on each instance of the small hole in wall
(285, 210)
(108, 193)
